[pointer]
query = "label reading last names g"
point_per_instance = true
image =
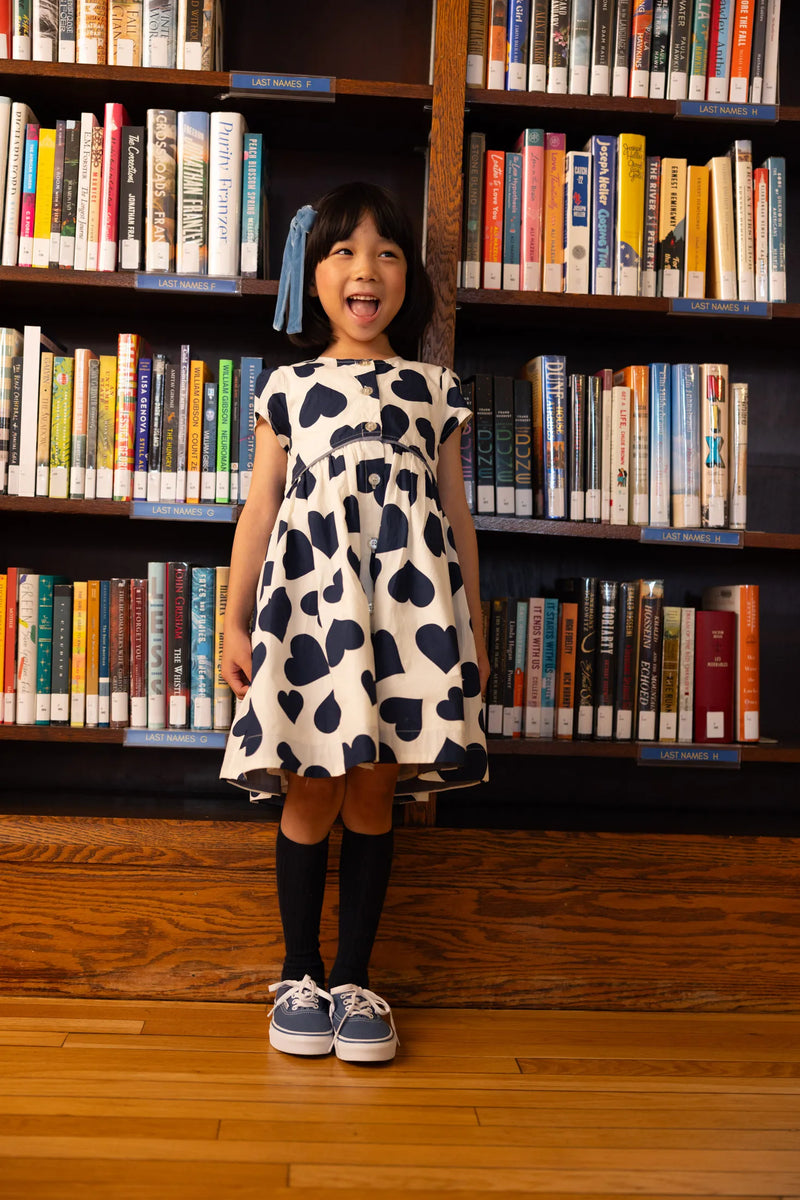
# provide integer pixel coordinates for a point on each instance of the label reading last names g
(690, 756)
(721, 308)
(181, 739)
(723, 111)
(315, 87)
(693, 537)
(204, 285)
(144, 510)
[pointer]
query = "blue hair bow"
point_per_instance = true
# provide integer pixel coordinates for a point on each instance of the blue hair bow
(290, 287)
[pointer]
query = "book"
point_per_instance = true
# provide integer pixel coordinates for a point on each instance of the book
(741, 47)
(714, 426)
(178, 662)
(22, 477)
(593, 509)
(94, 220)
(192, 207)
(670, 674)
(776, 167)
(641, 42)
(602, 48)
(106, 425)
(3, 593)
(585, 590)
(119, 652)
(473, 216)
(758, 51)
(93, 652)
(523, 434)
(20, 116)
(553, 213)
(115, 117)
(202, 648)
(198, 378)
(60, 427)
(607, 598)
(698, 50)
(686, 677)
(577, 447)
(223, 697)
(685, 457)
(251, 368)
(512, 214)
(27, 627)
(659, 50)
(80, 421)
(636, 380)
(603, 152)
(28, 197)
(550, 374)
(493, 219)
(721, 267)
(44, 423)
(129, 346)
(652, 191)
(509, 668)
(660, 443)
(530, 145)
(720, 42)
(696, 241)
(10, 348)
(169, 435)
(69, 195)
(21, 42)
(498, 636)
(620, 453)
(580, 41)
(66, 31)
(103, 668)
(477, 41)
(761, 260)
(741, 155)
(254, 207)
(57, 193)
(139, 652)
(516, 66)
(90, 476)
(208, 449)
(577, 221)
(156, 587)
(225, 154)
(133, 150)
(61, 654)
(141, 435)
(714, 676)
(630, 212)
(648, 661)
(45, 170)
(769, 90)
(161, 190)
(565, 676)
(550, 646)
(680, 31)
(92, 31)
(538, 45)
(125, 33)
(737, 457)
(496, 59)
(82, 202)
(621, 51)
(558, 47)
(159, 30)
(532, 714)
(77, 676)
(742, 599)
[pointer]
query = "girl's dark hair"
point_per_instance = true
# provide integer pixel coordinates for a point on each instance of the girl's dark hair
(338, 214)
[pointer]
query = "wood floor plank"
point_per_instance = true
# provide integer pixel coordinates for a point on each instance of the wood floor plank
(76, 1179)
(30, 1037)
(101, 1125)
(70, 1024)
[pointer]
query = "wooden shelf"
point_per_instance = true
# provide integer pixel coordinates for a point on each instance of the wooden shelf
(89, 508)
(640, 305)
(753, 539)
(59, 733)
(479, 98)
(124, 280)
(751, 752)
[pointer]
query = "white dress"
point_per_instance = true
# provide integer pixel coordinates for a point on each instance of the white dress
(363, 650)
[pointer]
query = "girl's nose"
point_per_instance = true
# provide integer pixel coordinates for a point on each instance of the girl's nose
(363, 267)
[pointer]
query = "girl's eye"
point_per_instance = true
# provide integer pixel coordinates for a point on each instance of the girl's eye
(341, 250)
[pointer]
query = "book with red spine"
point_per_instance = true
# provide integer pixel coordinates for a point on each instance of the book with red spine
(138, 634)
(493, 219)
(177, 672)
(742, 600)
(119, 651)
(641, 42)
(9, 711)
(714, 676)
(129, 348)
(555, 154)
(530, 145)
(115, 117)
(5, 28)
(742, 44)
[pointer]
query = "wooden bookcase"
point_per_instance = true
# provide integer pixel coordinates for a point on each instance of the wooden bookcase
(86, 824)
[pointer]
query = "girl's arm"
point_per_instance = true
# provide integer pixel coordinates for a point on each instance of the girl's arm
(253, 531)
(454, 502)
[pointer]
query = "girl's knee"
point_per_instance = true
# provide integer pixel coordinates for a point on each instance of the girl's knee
(369, 796)
(311, 807)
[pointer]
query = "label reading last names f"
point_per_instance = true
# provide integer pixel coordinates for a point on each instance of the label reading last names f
(199, 284)
(144, 510)
(690, 756)
(181, 739)
(721, 308)
(693, 537)
(315, 87)
(724, 111)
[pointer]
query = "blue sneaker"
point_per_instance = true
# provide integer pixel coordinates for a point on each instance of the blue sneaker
(360, 1032)
(300, 1020)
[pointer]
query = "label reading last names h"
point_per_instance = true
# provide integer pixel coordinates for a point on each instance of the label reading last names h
(724, 111)
(690, 756)
(181, 739)
(145, 510)
(204, 285)
(693, 537)
(721, 308)
(315, 87)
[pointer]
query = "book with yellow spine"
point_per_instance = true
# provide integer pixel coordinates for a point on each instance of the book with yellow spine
(44, 419)
(199, 374)
(630, 212)
(694, 279)
(670, 674)
(106, 424)
(92, 31)
(125, 33)
(77, 689)
(61, 426)
(44, 198)
(222, 693)
(95, 200)
(93, 652)
(721, 264)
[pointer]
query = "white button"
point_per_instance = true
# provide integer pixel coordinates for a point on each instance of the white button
(373, 543)
(367, 391)
(371, 426)
(374, 480)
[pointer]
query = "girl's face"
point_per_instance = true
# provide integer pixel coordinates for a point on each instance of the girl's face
(361, 284)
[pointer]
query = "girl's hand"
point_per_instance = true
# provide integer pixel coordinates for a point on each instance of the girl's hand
(237, 660)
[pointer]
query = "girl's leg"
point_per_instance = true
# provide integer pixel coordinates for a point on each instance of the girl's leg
(301, 862)
(364, 868)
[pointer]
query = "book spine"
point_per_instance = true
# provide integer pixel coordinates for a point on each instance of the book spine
(202, 647)
(549, 665)
(577, 213)
(138, 641)
(769, 91)
(156, 585)
(659, 52)
(477, 42)
(743, 601)
(250, 370)
(253, 190)
(512, 204)
(92, 31)
(608, 600)
(602, 48)
(577, 447)
(498, 636)
(537, 46)
(44, 649)
(504, 445)
(670, 674)
(761, 232)
(103, 677)
(686, 677)
(156, 425)
(66, 31)
(21, 42)
(558, 47)
(54, 250)
(473, 219)
(222, 693)
(62, 645)
(532, 717)
(178, 648)
(777, 229)
(14, 175)
(517, 50)
(509, 661)
(115, 118)
(44, 424)
(95, 210)
(10, 622)
(739, 416)
(531, 146)
(131, 198)
(125, 33)
(698, 50)
(3, 595)
(93, 653)
(641, 46)
(533, 372)
(742, 161)
(640, 444)
(10, 350)
(484, 444)
(80, 424)
(159, 28)
(606, 382)
(651, 602)
(650, 240)
(523, 430)
(61, 427)
(127, 362)
(208, 452)
(565, 680)
(28, 198)
(620, 454)
(604, 169)
(714, 676)
(554, 425)
(27, 621)
(468, 453)
(622, 40)
(141, 445)
(714, 423)
(553, 213)
(758, 51)
(44, 30)
(161, 189)
(69, 195)
(660, 443)
(630, 212)
(226, 147)
(496, 66)
(169, 436)
(223, 456)
(493, 220)
(719, 50)
(742, 44)
(77, 682)
(184, 378)
(594, 450)
(580, 40)
(43, 216)
(192, 210)
(90, 477)
(198, 374)
(119, 652)
(585, 658)
(106, 425)
(685, 461)
(80, 251)
(694, 276)
(722, 283)
(680, 31)
(14, 419)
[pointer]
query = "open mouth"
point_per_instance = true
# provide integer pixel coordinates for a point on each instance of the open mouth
(364, 307)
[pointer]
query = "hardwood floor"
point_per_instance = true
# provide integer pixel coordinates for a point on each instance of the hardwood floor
(168, 1100)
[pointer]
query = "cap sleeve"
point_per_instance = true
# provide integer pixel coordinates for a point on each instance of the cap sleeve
(456, 410)
(270, 403)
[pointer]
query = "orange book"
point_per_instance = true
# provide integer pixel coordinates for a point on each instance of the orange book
(742, 44)
(565, 671)
(498, 37)
(555, 155)
(199, 375)
(742, 599)
(493, 219)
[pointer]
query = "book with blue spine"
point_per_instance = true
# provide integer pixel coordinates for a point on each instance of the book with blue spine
(519, 16)
(44, 648)
(549, 665)
(503, 405)
(251, 369)
(603, 150)
(512, 217)
(156, 648)
(104, 678)
(660, 443)
(577, 207)
(208, 446)
(254, 206)
(202, 648)
(580, 41)
(698, 53)
(520, 656)
(776, 165)
(685, 458)
(554, 425)
(142, 436)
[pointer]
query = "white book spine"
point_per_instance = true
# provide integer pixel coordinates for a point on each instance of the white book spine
(743, 199)
(769, 88)
(20, 19)
(620, 454)
(20, 116)
(88, 122)
(27, 622)
(29, 416)
(226, 146)
(737, 505)
(686, 676)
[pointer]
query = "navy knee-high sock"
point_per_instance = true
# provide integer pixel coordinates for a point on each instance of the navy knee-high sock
(365, 864)
(301, 871)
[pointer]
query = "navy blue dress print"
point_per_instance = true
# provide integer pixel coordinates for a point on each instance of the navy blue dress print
(363, 650)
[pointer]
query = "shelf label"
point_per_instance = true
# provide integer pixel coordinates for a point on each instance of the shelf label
(145, 510)
(725, 111)
(694, 537)
(203, 285)
(721, 308)
(689, 756)
(205, 739)
(312, 87)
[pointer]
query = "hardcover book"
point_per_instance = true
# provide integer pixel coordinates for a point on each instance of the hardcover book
(223, 696)
(226, 148)
(685, 460)
(714, 676)
(530, 145)
(670, 674)
(630, 212)
(202, 647)
(648, 667)
(161, 190)
(608, 598)
(192, 211)
(714, 426)
(178, 610)
(743, 600)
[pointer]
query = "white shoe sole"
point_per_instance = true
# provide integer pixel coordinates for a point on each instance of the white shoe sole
(299, 1043)
(355, 1051)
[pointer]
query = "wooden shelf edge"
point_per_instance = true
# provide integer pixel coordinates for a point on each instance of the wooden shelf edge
(482, 97)
(753, 539)
(774, 752)
(121, 280)
(60, 733)
(588, 302)
(84, 508)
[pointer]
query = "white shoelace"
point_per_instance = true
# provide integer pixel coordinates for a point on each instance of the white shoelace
(303, 993)
(361, 1002)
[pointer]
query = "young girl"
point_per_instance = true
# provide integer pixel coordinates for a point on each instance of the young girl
(361, 681)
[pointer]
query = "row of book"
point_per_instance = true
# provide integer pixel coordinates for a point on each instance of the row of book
(715, 50)
(110, 653)
(186, 192)
(607, 660)
(611, 219)
(658, 444)
(130, 426)
(124, 33)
